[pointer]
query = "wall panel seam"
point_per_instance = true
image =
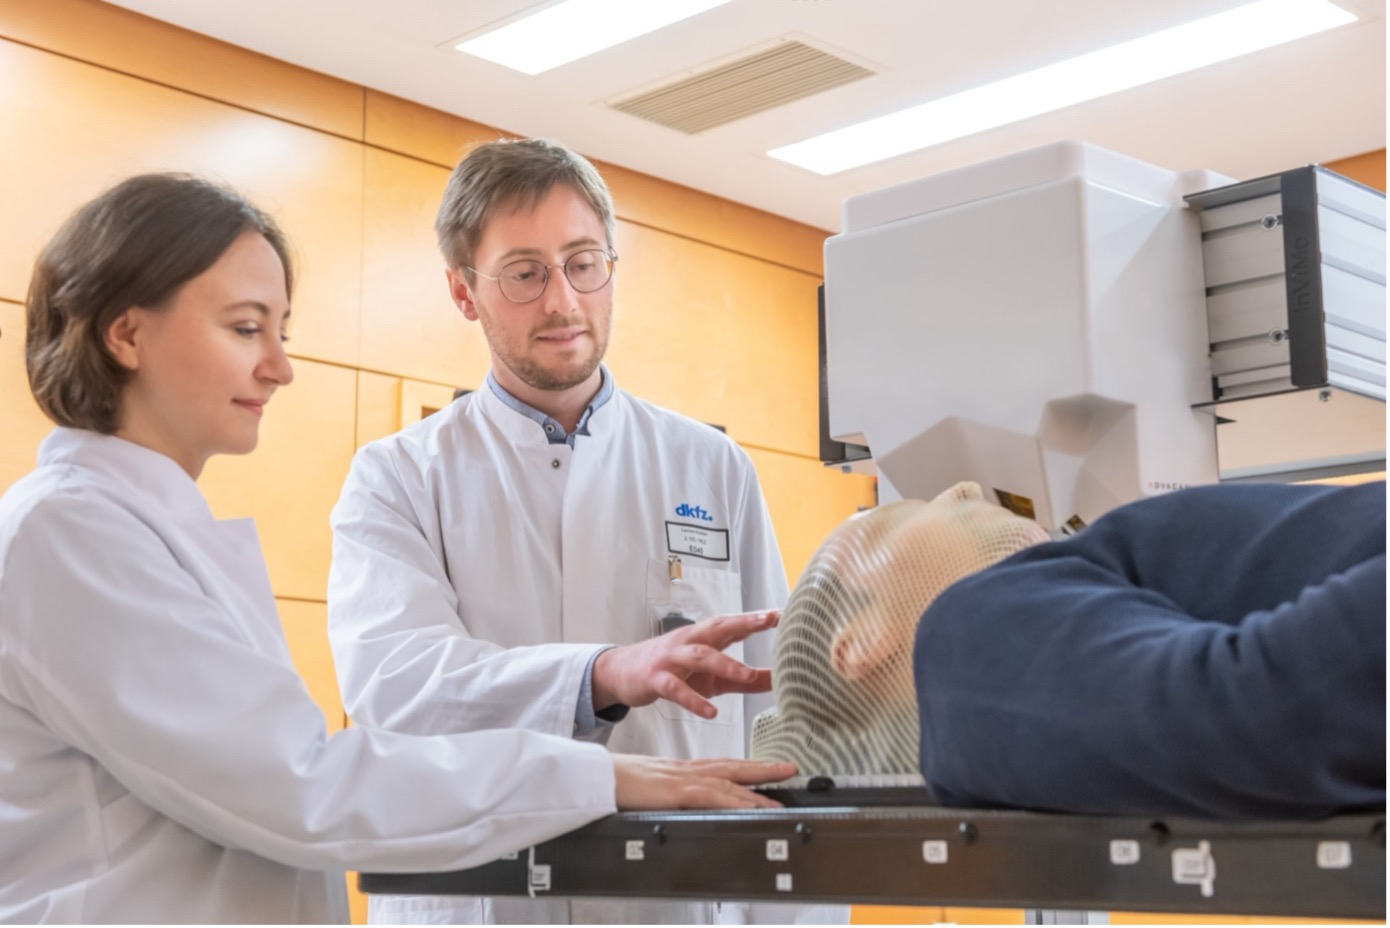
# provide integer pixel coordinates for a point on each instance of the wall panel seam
(405, 154)
(429, 161)
(302, 599)
(368, 370)
(185, 90)
(725, 248)
(361, 261)
(782, 451)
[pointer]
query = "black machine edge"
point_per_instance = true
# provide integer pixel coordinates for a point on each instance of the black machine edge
(1303, 278)
(831, 451)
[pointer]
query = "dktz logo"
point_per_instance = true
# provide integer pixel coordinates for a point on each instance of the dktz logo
(687, 511)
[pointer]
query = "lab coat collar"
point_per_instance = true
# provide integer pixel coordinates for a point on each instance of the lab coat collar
(604, 415)
(147, 473)
(521, 429)
(554, 431)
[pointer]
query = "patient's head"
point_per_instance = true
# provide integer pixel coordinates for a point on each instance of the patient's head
(842, 673)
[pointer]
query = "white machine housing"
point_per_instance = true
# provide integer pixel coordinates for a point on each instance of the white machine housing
(1036, 323)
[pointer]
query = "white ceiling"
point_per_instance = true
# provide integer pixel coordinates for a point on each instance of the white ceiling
(1313, 100)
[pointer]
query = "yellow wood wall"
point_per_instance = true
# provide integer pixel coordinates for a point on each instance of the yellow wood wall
(1368, 169)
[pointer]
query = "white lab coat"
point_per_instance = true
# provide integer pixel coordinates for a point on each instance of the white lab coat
(477, 567)
(160, 760)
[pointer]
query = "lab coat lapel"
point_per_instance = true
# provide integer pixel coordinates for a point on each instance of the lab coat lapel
(517, 429)
(595, 523)
(224, 557)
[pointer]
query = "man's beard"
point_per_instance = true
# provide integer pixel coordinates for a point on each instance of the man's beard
(537, 377)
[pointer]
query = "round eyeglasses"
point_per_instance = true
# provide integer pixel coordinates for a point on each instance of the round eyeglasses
(523, 281)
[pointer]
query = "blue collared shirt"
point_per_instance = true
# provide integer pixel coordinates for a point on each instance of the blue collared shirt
(555, 432)
(587, 725)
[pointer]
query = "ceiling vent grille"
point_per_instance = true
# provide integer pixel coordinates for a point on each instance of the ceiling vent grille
(788, 71)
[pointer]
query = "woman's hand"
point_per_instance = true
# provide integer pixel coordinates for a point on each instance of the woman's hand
(655, 783)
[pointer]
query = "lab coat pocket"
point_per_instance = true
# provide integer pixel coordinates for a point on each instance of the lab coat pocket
(701, 593)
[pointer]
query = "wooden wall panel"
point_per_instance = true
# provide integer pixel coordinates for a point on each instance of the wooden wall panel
(357, 902)
(422, 132)
(420, 399)
(1368, 169)
(306, 633)
(410, 325)
(806, 500)
(386, 405)
(124, 41)
(660, 204)
(378, 406)
(22, 425)
(291, 482)
(73, 129)
(960, 915)
(721, 337)
(896, 915)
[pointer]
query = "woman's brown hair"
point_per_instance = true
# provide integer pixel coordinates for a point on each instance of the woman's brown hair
(134, 245)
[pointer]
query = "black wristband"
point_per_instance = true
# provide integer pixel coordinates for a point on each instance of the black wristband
(614, 713)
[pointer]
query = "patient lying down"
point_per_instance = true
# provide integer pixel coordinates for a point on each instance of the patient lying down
(1217, 651)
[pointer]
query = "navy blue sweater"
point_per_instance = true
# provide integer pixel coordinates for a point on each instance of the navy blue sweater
(1218, 652)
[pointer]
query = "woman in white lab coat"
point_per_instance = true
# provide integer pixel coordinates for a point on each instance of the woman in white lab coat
(160, 760)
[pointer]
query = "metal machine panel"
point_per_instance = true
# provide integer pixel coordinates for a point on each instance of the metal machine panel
(1294, 267)
(926, 855)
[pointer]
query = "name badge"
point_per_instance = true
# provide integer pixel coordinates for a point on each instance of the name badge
(712, 544)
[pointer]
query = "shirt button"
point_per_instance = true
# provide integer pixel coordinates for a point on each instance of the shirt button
(555, 462)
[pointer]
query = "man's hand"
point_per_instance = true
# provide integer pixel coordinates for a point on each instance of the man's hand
(685, 666)
(654, 783)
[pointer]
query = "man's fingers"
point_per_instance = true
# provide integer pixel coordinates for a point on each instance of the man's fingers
(674, 689)
(684, 666)
(724, 630)
(693, 660)
(759, 682)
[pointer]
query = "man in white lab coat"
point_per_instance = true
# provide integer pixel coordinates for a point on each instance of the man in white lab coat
(487, 560)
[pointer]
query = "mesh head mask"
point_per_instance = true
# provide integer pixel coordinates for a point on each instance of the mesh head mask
(842, 671)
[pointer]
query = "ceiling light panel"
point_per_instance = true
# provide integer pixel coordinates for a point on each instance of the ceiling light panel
(1193, 45)
(567, 31)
